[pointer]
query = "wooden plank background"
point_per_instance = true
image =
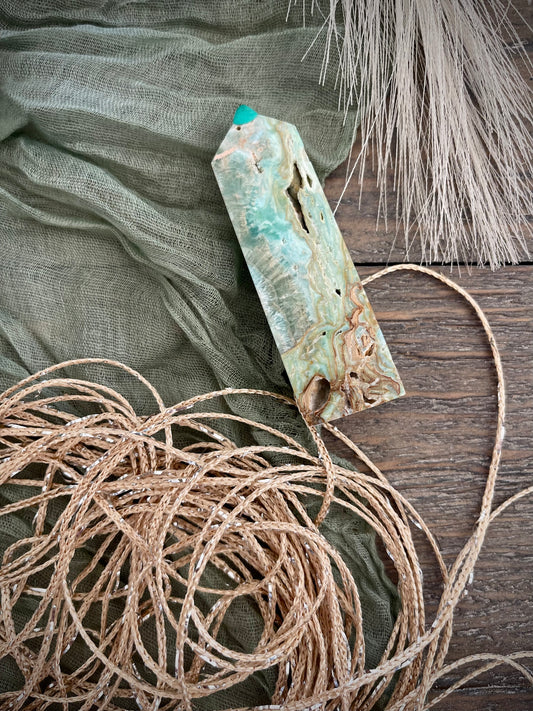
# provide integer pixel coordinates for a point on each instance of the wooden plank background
(435, 443)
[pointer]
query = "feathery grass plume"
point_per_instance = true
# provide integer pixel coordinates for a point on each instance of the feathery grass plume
(442, 107)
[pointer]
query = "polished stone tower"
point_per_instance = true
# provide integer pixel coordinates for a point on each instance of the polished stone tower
(330, 342)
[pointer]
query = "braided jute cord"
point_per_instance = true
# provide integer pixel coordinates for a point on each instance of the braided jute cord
(179, 535)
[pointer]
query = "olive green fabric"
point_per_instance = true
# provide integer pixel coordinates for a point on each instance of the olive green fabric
(114, 238)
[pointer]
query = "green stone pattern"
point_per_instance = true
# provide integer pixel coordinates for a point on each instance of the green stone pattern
(332, 347)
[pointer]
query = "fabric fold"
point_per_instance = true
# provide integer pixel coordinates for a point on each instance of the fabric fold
(115, 242)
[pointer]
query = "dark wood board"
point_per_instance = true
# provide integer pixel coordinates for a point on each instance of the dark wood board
(435, 443)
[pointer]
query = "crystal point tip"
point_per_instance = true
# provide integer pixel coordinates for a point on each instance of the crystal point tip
(244, 114)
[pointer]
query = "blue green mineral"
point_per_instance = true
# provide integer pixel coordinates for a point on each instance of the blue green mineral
(330, 342)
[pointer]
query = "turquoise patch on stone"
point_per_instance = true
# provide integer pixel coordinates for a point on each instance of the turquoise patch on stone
(244, 114)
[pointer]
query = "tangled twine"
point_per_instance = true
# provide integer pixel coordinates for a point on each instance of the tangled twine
(180, 536)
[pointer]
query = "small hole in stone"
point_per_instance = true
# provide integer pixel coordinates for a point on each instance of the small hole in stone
(310, 181)
(292, 192)
(338, 292)
(238, 128)
(369, 400)
(322, 216)
(323, 333)
(316, 394)
(354, 375)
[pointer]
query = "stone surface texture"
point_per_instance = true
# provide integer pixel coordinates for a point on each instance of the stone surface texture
(332, 347)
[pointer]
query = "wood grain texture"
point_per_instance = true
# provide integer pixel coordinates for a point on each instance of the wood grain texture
(435, 443)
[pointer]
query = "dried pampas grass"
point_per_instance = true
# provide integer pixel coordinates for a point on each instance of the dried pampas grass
(444, 109)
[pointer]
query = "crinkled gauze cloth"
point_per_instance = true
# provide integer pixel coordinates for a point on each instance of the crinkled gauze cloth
(114, 237)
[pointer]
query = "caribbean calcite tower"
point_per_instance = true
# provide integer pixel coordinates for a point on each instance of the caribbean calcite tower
(330, 342)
